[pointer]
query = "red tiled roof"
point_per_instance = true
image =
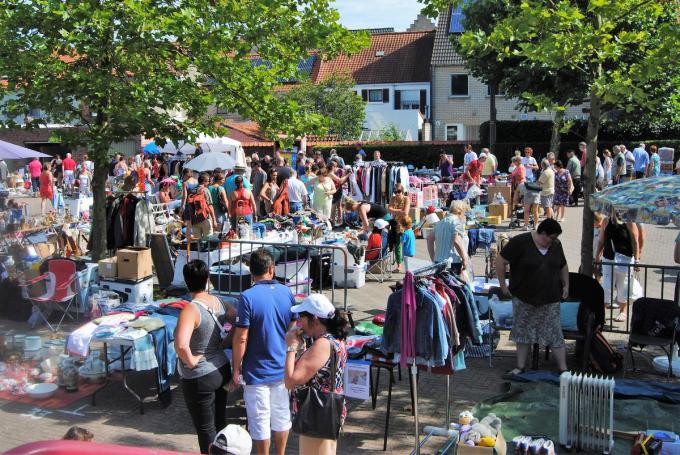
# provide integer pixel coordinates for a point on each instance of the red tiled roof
(247, 133)
(406, 59)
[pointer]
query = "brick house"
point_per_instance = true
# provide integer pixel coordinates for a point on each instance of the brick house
(460, 102)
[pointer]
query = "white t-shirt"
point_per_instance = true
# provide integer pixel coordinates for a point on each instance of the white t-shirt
(469, 157)
(296, 190)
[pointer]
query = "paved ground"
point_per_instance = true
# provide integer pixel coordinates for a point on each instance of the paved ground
(116, 419)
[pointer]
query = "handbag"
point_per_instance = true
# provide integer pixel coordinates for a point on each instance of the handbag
(320, 413)
(530, 186)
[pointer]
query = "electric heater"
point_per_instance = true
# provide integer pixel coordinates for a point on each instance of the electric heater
(586, 412)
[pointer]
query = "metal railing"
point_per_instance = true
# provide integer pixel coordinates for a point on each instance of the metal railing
(230, 275)
(628, 282)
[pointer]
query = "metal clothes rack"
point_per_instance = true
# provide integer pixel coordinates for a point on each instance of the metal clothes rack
(145, 198)
(423, 271)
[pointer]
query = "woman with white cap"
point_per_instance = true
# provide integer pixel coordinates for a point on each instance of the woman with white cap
(327, 326)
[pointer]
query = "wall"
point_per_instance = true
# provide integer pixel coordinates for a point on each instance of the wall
(374, 111)
(473, 109)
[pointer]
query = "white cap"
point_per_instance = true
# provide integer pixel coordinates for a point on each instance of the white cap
(432, 218)
(482, 155)
(316, 304)
(234, 440)
(380, 223)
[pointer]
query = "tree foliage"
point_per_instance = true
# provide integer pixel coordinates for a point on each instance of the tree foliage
(335, 100)
(390, 133)
(119, 68)
(619, 46)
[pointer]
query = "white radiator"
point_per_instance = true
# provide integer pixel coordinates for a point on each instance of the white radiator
(586, 412)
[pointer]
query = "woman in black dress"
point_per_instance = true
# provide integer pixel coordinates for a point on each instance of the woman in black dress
(366, 211)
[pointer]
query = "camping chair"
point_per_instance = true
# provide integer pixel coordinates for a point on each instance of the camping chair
(60, 284)
(654, 323)
(379, 268)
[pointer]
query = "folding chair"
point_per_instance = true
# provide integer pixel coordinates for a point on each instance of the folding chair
(378, 266)
(61, 293)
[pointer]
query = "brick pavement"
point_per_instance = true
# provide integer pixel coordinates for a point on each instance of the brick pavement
(116, 419)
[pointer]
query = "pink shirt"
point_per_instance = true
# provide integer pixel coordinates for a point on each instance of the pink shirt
(35, 168)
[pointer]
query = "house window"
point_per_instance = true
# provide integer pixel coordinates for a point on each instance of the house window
(410, 99)
(375, 96)
(455, 132)
(459, 85)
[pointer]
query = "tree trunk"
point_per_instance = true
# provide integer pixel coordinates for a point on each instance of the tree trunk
(101, 171)
(492, 117)
(588, 183)
(556, 135)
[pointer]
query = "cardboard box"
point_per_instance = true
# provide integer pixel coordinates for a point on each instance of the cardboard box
(134, 263)
(493, 220)
(504, 191)
(108, 268)
(500, 448)
(501, 210)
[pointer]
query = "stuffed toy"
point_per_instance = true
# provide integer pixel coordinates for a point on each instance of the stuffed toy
(465, 421)
(486, 430)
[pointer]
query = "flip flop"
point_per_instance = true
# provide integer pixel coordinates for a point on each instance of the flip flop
(622, 317)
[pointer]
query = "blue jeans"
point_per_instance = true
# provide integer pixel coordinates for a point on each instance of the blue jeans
(35, 184)
(296, 207)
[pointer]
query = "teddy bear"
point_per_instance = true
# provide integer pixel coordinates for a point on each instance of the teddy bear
(483, 432)
(465, 421)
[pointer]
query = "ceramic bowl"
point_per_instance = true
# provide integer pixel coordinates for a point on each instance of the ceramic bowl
(41, 391)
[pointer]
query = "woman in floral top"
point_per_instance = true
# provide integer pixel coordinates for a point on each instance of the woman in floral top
(327, 326)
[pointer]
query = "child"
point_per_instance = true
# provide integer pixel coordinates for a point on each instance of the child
(375, 240)
(408, 238)
(76, 433)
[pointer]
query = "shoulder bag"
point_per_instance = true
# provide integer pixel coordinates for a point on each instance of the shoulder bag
(226, 337)
(320, 413)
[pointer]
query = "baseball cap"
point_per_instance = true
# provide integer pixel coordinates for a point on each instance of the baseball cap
(233, 440)
(316, 304)
(380, 223)
(431, 209)
(482, 155)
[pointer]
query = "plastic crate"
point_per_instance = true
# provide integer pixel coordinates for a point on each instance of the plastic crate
(430, 192)
(416, 199)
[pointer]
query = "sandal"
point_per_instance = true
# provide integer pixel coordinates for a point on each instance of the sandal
(512, 374)
(622, 317)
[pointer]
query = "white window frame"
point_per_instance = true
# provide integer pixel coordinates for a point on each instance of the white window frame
(410, 106)
(368, 95)
(461, 131)
(467, 95)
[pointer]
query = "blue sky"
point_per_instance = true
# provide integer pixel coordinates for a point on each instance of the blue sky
(378, 13)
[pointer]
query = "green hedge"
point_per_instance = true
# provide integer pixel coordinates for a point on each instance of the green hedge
(540, 131)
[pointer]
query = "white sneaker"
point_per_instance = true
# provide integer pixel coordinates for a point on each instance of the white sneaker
(527, 228)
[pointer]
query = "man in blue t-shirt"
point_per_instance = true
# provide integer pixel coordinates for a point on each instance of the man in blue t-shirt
(230, 182)
(259, 354)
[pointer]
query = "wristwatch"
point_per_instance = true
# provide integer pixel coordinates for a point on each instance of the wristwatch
(291, 349)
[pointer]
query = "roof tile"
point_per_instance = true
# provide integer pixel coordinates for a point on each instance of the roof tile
(443, 53)
(406, 58)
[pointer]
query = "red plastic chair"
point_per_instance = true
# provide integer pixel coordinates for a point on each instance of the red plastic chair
(61, 293)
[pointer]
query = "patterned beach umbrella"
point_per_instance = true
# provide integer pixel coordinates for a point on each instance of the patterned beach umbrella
(653, 200)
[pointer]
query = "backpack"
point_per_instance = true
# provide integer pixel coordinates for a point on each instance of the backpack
(198, 206)
(603, 358)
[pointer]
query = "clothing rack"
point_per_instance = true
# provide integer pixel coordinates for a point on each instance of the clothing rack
(423, 271)
(146, 198)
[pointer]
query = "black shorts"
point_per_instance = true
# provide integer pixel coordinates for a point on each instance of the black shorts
(337, 196)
